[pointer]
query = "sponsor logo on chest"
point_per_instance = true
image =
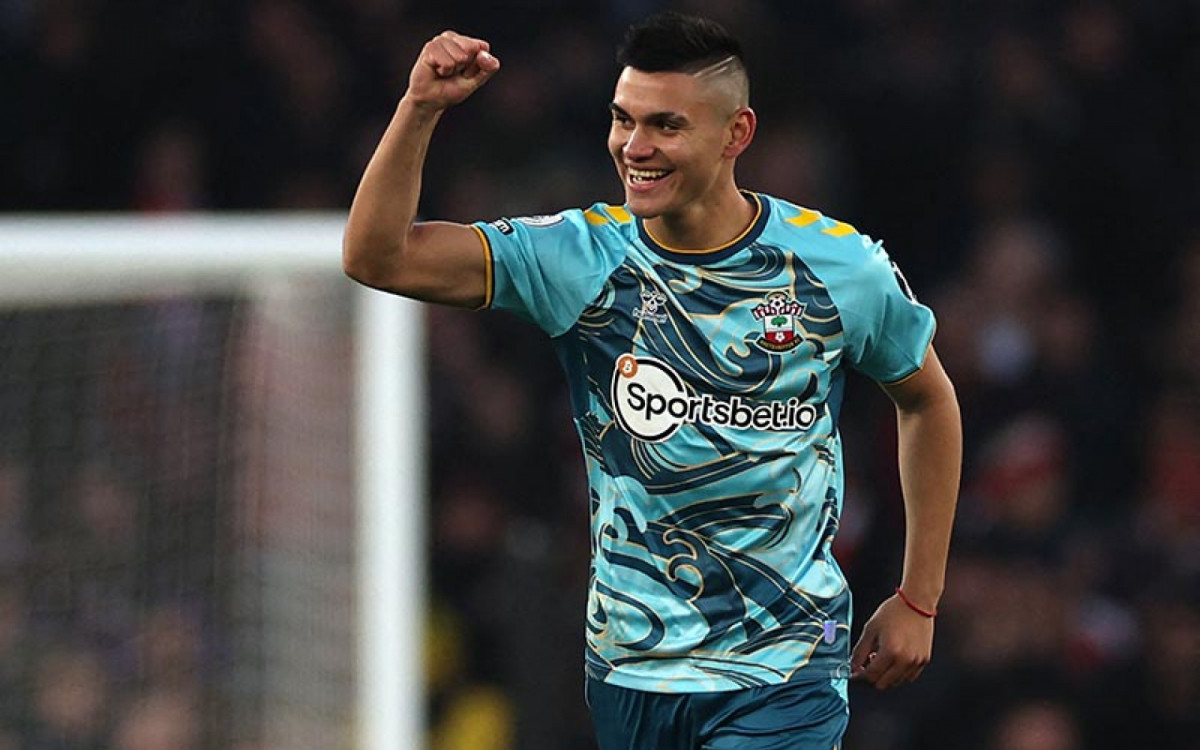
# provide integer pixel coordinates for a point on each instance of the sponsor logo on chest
(652, 402)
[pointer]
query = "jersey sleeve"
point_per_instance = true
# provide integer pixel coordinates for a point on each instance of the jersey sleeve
(887, 330)
(544, 268)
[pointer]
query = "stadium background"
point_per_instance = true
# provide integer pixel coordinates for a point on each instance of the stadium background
(1033, 166)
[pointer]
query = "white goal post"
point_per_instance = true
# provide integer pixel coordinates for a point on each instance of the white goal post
(55, 261)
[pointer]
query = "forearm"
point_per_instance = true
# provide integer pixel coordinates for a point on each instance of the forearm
(930, 454)
(385, 205)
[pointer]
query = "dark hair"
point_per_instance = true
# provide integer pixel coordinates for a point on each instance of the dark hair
(677, 43)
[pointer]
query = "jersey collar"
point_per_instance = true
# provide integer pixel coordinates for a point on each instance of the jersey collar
(762, 211)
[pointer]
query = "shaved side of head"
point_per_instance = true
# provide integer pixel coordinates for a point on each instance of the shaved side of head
(729, 80)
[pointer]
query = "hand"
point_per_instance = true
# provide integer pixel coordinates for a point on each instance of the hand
(895, 646)
(449, 69)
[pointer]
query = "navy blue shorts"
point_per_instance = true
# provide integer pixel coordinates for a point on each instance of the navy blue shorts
(795, 716)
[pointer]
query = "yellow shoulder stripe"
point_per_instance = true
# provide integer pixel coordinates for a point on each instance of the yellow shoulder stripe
(619, 213)
(806, 217)
(839, 229)
(610, 213)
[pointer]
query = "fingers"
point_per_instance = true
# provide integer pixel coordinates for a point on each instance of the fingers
(883, 663)
(864, 653)
(451, 54)
(895, 646)
(887, 670)
(450, 68)
(482, 66)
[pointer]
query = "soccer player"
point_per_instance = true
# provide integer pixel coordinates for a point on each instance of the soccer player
(706, 332)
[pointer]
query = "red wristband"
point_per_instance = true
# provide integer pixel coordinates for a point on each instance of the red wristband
(911, 605)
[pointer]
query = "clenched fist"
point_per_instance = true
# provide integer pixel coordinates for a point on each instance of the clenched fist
(449, 69)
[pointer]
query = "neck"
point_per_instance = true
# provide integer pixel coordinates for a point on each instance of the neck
(704, 224)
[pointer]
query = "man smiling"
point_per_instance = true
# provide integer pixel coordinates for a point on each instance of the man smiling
(676, 135)
(706, 332)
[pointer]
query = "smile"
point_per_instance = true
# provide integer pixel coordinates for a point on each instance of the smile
(644, 176)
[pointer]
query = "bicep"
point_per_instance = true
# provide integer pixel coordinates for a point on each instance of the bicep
(448, 263)
(439, 261)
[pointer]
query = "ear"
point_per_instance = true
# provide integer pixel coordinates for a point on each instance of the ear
(740, 132)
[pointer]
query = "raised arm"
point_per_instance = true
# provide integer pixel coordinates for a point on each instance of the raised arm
(384, 247)
(897, 641)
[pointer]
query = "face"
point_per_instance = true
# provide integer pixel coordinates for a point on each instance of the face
(670, 140)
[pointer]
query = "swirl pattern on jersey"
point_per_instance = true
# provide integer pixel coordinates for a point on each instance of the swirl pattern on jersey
(702, 556)
(703, 344)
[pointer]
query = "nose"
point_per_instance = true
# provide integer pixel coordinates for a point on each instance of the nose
(638, 145)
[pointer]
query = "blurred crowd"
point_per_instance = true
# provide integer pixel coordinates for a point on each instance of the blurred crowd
(1034, 166)
(113, 591)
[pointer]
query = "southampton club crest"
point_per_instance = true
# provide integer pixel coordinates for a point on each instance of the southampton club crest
(778, 313)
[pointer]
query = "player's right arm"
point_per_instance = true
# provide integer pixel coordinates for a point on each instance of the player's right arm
(384, 246)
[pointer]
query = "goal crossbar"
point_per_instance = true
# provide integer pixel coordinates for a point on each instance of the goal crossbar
(45, 258)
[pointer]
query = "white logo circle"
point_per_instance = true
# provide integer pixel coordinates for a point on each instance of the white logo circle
(650, 398)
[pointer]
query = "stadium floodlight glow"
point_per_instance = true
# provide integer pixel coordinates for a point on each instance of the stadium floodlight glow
(52, 261)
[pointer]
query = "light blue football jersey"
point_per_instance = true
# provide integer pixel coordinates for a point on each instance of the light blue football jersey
(706, 388)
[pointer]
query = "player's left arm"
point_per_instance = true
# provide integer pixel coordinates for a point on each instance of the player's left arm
(897, 641)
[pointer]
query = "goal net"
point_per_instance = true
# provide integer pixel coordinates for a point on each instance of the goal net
(210, 489)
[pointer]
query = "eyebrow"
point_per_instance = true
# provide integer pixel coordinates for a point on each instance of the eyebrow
(654, 117)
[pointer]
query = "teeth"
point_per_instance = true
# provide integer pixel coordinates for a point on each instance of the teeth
(646, 175)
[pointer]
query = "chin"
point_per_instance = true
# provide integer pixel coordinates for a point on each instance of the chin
(643, 208)
(643, 212)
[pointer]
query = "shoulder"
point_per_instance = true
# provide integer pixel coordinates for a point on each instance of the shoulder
(850, 264)
(812, 231)
(608, 217)
(597, 219)
(599, 225)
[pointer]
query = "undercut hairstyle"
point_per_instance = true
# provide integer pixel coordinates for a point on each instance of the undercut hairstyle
(672, 42)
